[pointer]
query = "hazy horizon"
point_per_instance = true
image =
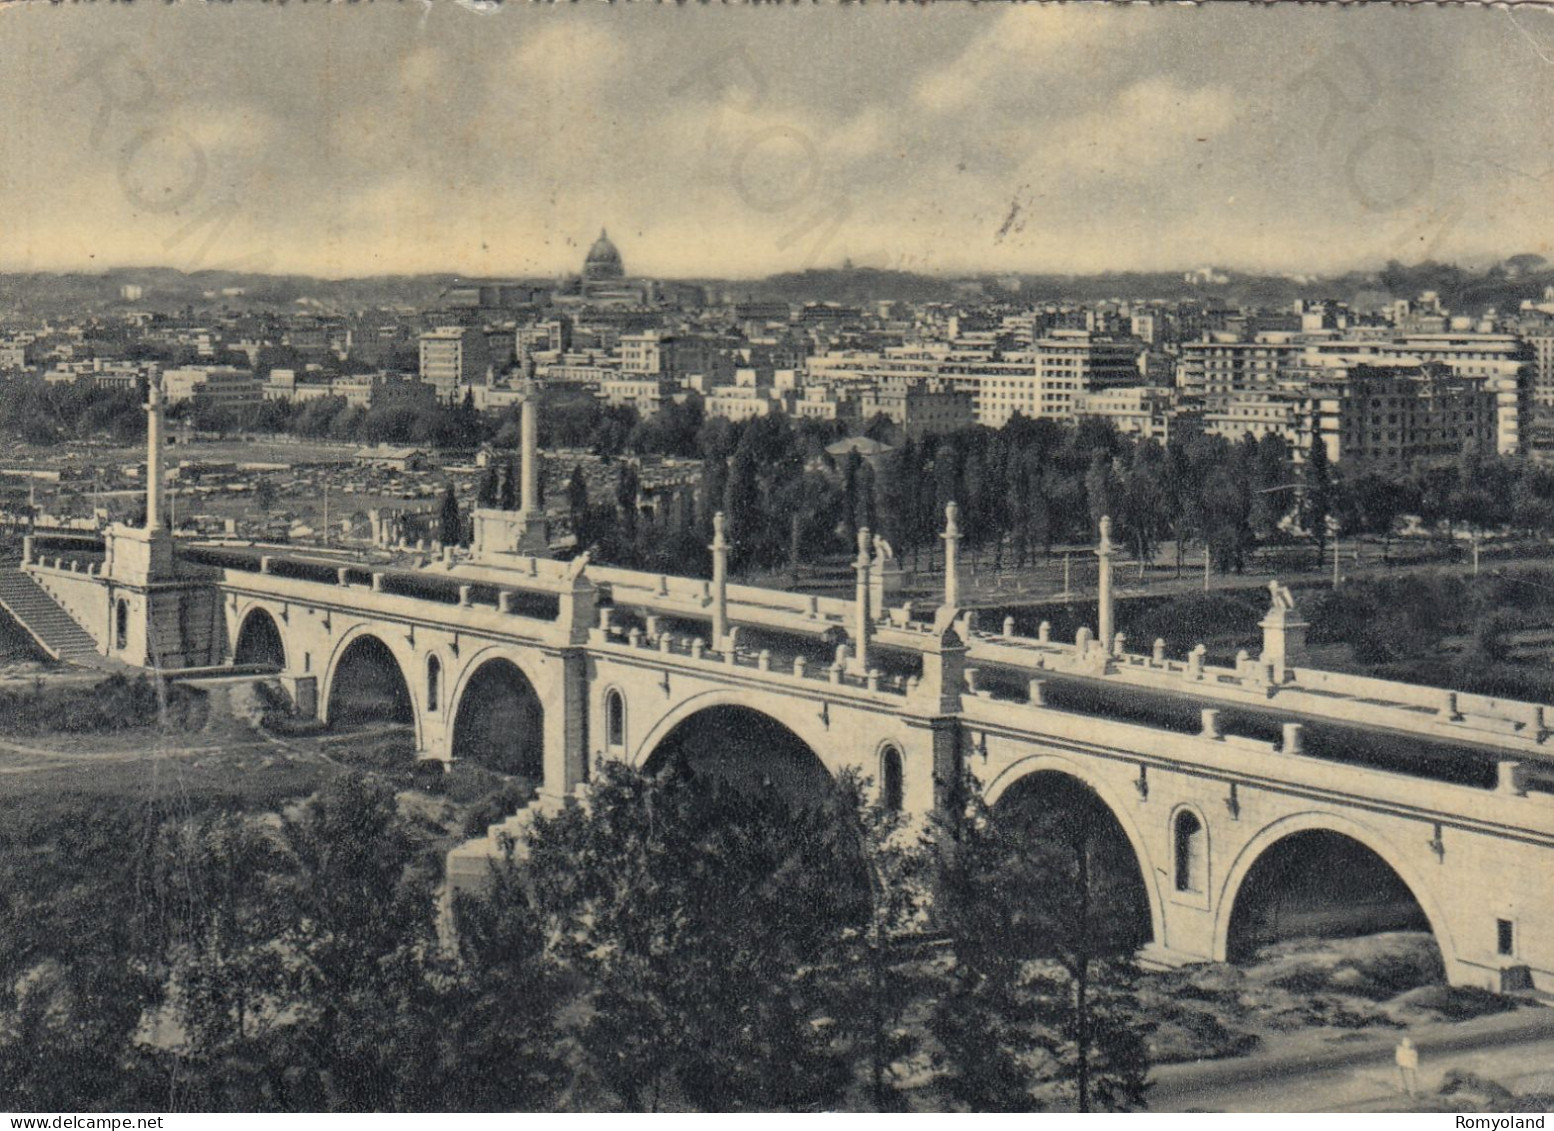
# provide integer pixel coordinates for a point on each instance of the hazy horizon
(724, 143)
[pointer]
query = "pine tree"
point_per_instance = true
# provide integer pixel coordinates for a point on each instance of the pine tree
(577, 499)
(507, 491)
(742, 509)
(1042, 924)
(487, 494)
(627, 487)
(1317, 502)
(700, 933)
(450, 520)
(851, 470)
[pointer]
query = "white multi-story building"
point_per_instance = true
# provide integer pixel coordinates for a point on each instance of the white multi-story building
(1070, 362)
(1142, 410)
(224, 385)
(453, 357)
(1225, 362)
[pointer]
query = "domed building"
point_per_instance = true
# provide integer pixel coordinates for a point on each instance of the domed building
(603, 267)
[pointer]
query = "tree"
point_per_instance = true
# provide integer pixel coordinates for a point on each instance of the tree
(577, 499)
(1143, 502)
(488, 493)
(851, 469)
(1317, 498)
(361, 929)
(1042, 923)
(700, 931)
(742, 510)
(865, 515)
(450, 521)
(1267, 464)
(265, 494)
(628, 486)
(507, 487)
(308, 973)
(1103, 488)
(230, 977)
(877, 993)
(1372, 504)
(1181, 487)
(504, 1037)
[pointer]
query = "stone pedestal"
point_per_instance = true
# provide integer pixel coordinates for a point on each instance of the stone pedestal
(140, 557)
(503, 535)
(1284, 634)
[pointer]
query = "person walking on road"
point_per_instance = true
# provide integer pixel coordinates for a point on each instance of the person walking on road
(1408, 1066)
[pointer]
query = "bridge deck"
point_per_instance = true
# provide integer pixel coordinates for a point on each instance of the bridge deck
(1427, 731)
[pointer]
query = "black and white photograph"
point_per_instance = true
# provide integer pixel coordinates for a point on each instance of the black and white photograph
(838, 558)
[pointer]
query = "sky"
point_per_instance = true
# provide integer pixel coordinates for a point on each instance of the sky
(721, 141)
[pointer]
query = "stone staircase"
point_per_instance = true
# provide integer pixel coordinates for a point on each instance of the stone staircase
(54, 630)
(469, 864)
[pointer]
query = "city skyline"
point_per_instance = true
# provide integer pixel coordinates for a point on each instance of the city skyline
(444, 139)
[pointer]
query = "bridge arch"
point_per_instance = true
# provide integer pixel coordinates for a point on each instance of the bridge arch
(259, 640)
(363, 645)
(799, 716)
(772, 747)
(496, 717)
(1278, 832)
(1027, 767)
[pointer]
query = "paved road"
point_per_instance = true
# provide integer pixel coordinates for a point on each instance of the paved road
(1516, 1050)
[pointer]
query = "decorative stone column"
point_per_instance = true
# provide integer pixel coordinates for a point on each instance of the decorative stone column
(719, 550)
(951, 538)
(529, 432)
(859, 664)
(1106, 628)
(154, 455)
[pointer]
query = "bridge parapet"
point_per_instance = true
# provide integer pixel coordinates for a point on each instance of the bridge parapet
(1524, 728)
(1249, 764)
(747, 604)
(793, 672)
(78, 564)
(496, 617)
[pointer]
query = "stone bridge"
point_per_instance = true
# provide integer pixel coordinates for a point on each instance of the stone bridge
(1209, 772)
(1228, 785)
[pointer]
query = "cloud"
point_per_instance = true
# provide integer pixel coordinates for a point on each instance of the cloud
(1025, 43)
(566, 60)
(720, 142)
(1152, 123)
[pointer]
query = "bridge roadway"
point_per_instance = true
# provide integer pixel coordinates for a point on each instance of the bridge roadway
(795, 625)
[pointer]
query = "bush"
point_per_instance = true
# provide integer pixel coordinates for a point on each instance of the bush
(116, 704)
(392, 755)
(497, 805)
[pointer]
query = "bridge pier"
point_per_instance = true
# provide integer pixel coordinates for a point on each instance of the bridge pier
(566, 731)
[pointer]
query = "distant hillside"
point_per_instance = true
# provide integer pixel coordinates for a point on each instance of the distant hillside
(166, 289)
(1463, 290)
(850, 286)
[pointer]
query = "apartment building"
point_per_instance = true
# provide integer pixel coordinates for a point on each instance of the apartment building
(453, 357)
